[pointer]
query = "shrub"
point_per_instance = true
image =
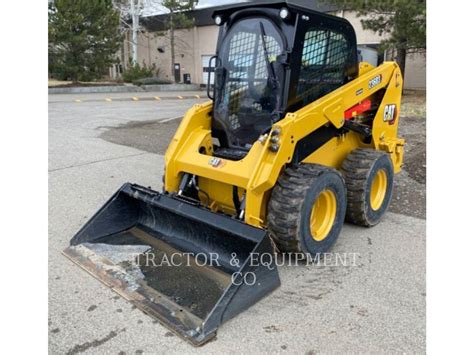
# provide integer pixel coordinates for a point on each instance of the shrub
(135, 72)
(152, 81)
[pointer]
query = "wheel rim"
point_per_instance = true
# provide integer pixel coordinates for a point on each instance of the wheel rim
(323, 214)
(378, 189)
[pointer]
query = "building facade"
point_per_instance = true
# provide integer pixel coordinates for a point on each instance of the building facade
(195, 46)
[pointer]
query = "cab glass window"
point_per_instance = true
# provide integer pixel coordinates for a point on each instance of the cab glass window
(323, 63)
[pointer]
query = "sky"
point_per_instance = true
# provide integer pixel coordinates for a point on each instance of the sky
(208, 3)
(152, 7)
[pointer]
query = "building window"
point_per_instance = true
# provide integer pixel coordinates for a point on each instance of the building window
(323, 63)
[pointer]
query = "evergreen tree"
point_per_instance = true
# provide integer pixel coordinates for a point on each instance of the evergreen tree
(84, 38)
(403, 21)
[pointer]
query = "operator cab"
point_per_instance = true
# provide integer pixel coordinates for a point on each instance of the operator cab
(272, 60)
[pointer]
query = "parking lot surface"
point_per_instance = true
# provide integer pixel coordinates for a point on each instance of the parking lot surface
(374, 304)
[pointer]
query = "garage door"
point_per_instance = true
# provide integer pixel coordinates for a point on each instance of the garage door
(206, 70)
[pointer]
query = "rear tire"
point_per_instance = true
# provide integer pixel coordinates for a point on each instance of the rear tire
(306, 209)
(369, 179)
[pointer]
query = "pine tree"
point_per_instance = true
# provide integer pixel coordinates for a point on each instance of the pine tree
(84, 38)
(403, 21)
(177, 19)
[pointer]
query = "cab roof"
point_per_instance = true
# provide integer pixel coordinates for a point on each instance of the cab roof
(305, 7)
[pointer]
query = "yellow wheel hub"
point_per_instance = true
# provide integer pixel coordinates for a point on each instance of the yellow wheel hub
(323, 214)
(378, 189)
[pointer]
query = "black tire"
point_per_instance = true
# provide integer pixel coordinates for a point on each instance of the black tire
(291, 205)
(360, 169)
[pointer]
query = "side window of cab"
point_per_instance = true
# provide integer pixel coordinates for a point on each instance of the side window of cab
(323, 63)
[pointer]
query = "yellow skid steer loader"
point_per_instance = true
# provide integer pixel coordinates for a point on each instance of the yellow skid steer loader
(298, 137)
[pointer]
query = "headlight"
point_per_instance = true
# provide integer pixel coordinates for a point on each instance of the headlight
(218, 20)
(284, 13)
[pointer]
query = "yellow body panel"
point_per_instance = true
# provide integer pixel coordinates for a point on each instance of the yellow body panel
(190, 151)
(335, 151)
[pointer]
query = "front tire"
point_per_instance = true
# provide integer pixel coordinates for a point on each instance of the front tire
(306, 209)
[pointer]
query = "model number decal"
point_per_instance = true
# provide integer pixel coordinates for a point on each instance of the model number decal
(389, 113)
(375, 81)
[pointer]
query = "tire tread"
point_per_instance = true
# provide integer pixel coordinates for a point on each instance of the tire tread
(356, 170)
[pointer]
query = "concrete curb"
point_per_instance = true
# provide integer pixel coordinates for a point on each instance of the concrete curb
(172, 87)
(137, 98)
(124, 88)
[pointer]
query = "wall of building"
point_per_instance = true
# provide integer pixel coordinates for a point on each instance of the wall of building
(415, 71)
(190, 46)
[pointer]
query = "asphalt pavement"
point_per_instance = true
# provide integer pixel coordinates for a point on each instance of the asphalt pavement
(374, 304)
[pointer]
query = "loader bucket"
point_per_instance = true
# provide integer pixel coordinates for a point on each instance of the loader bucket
(184, 265)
